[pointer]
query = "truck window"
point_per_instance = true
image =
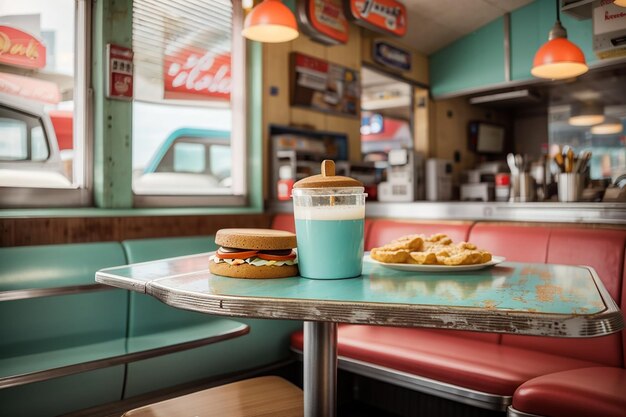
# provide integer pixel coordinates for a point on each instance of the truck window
(219, 157)
(21, 137)
(189, 157)
(13, 139)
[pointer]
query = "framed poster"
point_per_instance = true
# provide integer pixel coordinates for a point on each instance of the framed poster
(323, 21)
(323, 86)
(119, 72)
(384, 16)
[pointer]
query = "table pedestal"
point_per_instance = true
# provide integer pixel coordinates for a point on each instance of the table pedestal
(320, 369)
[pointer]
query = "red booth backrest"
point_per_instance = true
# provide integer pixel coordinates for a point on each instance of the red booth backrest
(384, 231)
(602, 249)
(284, 221)
(515, 243)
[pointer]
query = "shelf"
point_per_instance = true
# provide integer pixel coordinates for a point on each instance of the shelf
(580, 10)
(545, 212)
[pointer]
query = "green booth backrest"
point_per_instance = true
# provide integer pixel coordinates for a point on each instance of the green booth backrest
(46, 332)
(147, 314)
(47, 323)
(267, 342)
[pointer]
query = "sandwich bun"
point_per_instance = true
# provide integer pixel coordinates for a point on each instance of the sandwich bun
(252, 272)
(265, 248)
(255, 239)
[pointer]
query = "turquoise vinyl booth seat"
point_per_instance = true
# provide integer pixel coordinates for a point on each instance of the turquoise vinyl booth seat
(55, 318)
(266, 343)
(42, 333)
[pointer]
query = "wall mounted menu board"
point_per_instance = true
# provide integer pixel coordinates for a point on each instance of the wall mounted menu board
(323, 86)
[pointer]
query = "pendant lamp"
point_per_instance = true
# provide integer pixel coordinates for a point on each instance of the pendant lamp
(558, 58)
(610, 126)
(270, 21)
(587, 113)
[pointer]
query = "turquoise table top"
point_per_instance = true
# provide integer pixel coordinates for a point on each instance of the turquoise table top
(538, 299)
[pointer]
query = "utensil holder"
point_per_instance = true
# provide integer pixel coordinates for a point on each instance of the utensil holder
(570, 186)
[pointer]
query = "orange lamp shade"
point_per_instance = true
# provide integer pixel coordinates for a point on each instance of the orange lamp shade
(270, 21)
(558, 59)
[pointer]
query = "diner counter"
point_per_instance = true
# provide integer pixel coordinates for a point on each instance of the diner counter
(609, 213)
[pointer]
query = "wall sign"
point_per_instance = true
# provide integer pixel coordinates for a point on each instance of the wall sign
(120, 72)
(29, 88)
(320, 85)
(195, 74)
(323, 21)
(21, 49)
(391, 56)
(385, 16)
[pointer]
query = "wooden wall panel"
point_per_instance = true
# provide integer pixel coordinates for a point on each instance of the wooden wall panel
(419, 63)
(276, 74)
(451, 119)
(45, 231)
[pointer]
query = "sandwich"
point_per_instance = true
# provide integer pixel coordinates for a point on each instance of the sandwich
(254, 253)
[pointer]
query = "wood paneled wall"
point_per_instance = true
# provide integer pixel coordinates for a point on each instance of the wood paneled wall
(45, 231)
(419, 62)
(449, 131)
(276, 108)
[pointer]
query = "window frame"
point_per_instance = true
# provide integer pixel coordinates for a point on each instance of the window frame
(238, 105)
(81, 194)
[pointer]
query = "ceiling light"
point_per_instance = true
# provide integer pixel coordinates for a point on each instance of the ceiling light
(621, 3)
(558, 58)
(270, 21)
(586, 113)
(610, 126)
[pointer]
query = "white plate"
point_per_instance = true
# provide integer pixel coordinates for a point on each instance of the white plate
(436, 268)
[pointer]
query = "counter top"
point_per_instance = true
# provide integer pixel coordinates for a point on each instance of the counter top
(609, 213)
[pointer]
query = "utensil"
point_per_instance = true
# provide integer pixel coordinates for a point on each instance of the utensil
(569, 161)
(582, 162)
(558, 158)
(510, 160)
(519, 163)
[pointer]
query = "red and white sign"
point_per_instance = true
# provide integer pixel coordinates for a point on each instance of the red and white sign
(29, 88)
(386, 16)
(195, 74)
(120, 70)
(21, 49)
(324, 21)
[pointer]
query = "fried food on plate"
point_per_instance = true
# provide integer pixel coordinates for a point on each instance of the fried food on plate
(437, 249)
(390, 256)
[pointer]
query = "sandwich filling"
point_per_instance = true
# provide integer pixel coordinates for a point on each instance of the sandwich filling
(233, 256)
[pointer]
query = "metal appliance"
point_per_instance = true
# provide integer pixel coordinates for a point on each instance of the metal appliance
(405, 176)
(438, 179)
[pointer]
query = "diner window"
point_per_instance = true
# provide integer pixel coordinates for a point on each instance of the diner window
(43, 106)
(188, 144)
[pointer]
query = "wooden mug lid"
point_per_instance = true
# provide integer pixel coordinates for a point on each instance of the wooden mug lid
(327, 179)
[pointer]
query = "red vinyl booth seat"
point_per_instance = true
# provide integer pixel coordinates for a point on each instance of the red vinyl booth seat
(474, 364)
(587, 392)
(546, 376)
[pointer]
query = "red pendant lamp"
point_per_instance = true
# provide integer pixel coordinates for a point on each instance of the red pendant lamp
(270, 21)
(559, 58)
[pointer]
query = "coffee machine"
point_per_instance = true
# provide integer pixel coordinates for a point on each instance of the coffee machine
(405, 176)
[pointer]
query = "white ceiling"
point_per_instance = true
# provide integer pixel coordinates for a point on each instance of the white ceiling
(433, 24)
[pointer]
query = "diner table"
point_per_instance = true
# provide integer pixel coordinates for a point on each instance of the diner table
(519, 298)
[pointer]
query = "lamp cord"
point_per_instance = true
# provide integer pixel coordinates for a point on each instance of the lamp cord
(558, 12)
